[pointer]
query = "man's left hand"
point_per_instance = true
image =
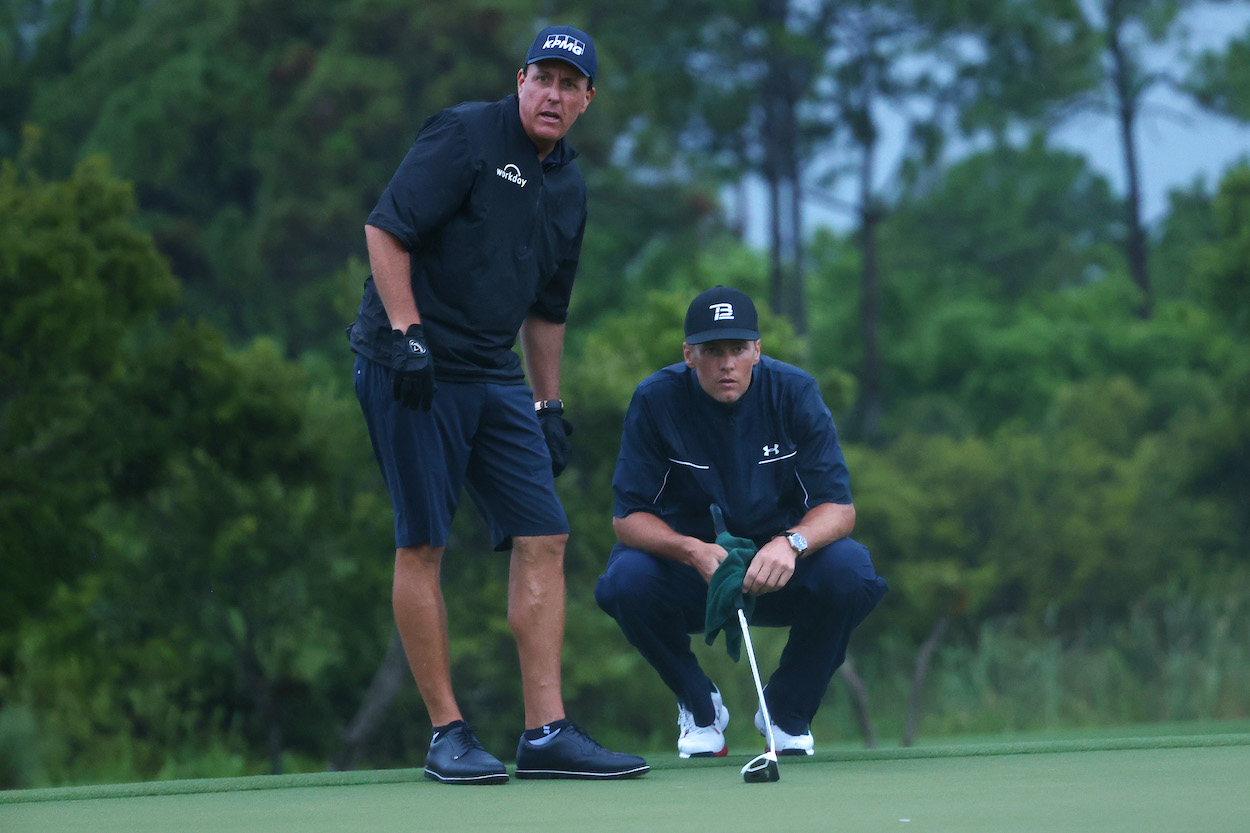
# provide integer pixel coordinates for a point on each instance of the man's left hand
(771, 568)
(556, 431)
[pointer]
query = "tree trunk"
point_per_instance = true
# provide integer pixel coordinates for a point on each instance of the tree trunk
(1124, 81)
(780, 137)
(859, 702)
(776, 261)
(389, 679)
(914, 702)
(798, 280)
(870, 404)
(260, 687)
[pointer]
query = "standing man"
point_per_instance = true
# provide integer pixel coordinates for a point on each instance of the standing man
(751, 434)
(474, 242)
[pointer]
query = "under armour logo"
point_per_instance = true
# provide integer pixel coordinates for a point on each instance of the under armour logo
(415, 347)
(770, 450)
(722, 312)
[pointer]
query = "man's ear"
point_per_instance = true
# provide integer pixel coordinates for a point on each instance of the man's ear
(687, 353)
(758, 351)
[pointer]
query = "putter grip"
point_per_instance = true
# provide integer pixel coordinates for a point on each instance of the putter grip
(718, 520)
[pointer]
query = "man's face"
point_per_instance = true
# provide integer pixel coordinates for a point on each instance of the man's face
(723, 367)
(553, 94)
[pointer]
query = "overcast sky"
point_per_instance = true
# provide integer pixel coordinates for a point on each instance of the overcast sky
(1177, 142)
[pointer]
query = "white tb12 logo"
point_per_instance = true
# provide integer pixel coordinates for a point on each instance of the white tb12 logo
(722, 312)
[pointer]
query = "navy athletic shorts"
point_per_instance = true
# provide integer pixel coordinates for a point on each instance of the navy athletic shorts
(478, 436)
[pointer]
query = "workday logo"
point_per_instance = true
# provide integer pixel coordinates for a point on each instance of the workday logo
(722, 312)
(564, 42)
(511, 173)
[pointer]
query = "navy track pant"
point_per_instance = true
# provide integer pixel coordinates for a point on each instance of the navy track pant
(659, 603)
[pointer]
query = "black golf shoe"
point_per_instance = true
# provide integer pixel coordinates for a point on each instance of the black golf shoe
(456, 756)
(570, 752)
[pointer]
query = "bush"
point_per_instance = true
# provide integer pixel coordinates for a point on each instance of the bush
(21, 756)
(1179, 655)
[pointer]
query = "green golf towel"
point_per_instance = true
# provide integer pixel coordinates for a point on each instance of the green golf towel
(724, 594)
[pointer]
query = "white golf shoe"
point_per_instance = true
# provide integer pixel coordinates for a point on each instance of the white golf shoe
(787, 744)
(703, 741)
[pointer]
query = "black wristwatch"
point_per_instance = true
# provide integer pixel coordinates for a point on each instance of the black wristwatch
(797, 542)
(549, 404)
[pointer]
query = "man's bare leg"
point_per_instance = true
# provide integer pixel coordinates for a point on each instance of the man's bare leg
(421, 615)
(536, 617)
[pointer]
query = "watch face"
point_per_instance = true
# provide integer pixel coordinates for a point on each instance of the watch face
(798, 542)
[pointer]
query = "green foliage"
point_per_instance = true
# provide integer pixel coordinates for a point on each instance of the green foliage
(1188, 229)
(226, 577)
(1175, 656)
(1059, 503)
(76, 278)
(21, 755)
(650, 239)
(1225, 269)
(180, 518)
(1035, 57)
(1006, 224)
(1221, 80)
(100, 698)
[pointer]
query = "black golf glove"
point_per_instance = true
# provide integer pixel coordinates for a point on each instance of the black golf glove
(412, 369)
(556, 430)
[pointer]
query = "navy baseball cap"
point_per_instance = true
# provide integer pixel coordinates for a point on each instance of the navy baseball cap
(721, 312)
(566, 44)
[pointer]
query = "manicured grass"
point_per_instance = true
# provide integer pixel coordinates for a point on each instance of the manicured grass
(1167, 783)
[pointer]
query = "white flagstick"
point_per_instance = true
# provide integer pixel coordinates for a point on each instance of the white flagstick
(762, 767)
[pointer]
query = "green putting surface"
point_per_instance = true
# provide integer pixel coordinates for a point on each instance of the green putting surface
(1165, 784)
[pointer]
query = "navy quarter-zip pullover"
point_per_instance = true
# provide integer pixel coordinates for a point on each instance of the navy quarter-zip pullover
(766, 459)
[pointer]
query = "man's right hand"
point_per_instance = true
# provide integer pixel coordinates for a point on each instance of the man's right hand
(706, 557)
(412, 369)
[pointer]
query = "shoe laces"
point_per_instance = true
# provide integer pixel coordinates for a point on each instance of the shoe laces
(464, 739)
(685, 720)
(582, 735)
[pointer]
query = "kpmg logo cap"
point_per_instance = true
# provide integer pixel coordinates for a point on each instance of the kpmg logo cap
(566, 44)
(721, 313)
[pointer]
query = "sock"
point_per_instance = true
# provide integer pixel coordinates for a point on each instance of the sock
(439, 731)
(544, 734)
